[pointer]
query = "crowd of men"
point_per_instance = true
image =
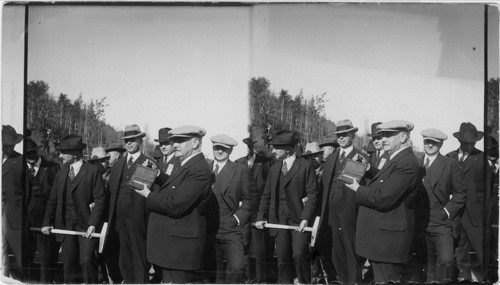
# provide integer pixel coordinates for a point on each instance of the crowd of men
(411, 217)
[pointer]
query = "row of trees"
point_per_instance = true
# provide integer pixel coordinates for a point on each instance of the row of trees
(64, 117)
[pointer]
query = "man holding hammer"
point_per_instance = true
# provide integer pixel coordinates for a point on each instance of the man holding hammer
(76, 186)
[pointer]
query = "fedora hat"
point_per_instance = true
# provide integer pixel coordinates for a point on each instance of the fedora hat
(115, 146)
(374, 130)
(249, 141)
(312, 148)
(468, 133)
(329, 140)
(98, 154)
(31, 145)
(132, 131)
(10, 136)
(163, 135)
(71, 142)
(345, 126)
(283, 137)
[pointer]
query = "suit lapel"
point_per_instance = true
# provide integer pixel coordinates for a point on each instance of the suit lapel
(329, 168)
(83, 171)
(469, 162)
(178, 170)
(9, 164)
(226, 175)
(295, 167)
(436, 169)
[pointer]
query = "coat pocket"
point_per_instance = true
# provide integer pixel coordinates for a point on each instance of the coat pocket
(183, 232)
(391, 225)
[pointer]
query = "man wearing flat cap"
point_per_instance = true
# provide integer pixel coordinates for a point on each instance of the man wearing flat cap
(329, 144)
(291, 180)
(441, 197)
(13, 203)
(259, 240)
(40, 174)
(385, 227)
(168, 159)
(77, 185)
(477, 180)
(339, 209)
(127, 209)
(232, 187)
(178, 223)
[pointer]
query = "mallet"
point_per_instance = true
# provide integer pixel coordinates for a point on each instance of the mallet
(313, 229)
(101, 236)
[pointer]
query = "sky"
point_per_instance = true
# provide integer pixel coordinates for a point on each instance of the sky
(170, 66)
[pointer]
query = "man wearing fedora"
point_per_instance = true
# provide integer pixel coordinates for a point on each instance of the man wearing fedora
(291, 180)
(40, 174)
(386, 217)
(471, 221)
(315, 154)
(339, 209)
(13, 203)
(258, 240)
(329, 144)
(77, 185)
(127, 210)
(232, 188)
(114, 150)
(100, 158)
(380, 156)
(178, 221)
(168, 159)
(441, 196)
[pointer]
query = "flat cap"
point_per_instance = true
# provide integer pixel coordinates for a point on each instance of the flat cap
(434, 134)
(224, 140)
(187, 132)
(395, 126)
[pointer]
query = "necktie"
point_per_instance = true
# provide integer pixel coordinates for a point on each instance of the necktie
(129, 162)
(284, 168)
(342, 156)
(216, 171)
(378, 155)
(427, 162)
(71, 173)
(462, 158)
(32, 170)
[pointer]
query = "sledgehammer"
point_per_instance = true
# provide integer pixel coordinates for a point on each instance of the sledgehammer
(313, 229)
(101, 236)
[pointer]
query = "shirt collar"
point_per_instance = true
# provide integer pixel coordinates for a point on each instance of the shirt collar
(346, 150)
(169, 157)
(135, 156)
(430, 157)
(189, 157)
(289, 161)
(220, 163)
(398, 151)
(251, 158)
(76, 166)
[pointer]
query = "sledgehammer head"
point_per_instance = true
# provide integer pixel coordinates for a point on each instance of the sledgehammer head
(102, 236)
(314, 231)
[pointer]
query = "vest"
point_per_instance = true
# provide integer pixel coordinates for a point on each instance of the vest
(124, 199)
(71, 217)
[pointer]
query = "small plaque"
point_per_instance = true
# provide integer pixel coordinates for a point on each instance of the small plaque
(353, 169)
(142, 175)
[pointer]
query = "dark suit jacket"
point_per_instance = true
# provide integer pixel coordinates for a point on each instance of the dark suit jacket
(349, 207)
(259, 173)
(13, 196)
(138, 203)
(386, 215)
(300, 182)
(476, 181)
(88, 187)
(38, 197)
(443, 178)
(177, 223)
(235, 184)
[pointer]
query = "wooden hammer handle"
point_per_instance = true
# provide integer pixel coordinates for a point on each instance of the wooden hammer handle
(67, 232)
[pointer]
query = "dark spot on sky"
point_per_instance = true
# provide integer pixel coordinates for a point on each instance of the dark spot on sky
(473, 48)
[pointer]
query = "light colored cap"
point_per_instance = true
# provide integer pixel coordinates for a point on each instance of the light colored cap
(224, 140)
(187, 132)
(434, 134)
(312, 148)
(395, 126)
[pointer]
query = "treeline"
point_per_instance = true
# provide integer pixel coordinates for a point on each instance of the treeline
(64, 117)
(274, 111)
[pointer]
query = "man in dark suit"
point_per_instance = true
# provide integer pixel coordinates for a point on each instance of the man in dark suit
(178, 224)
(13, 204)
(127, 209)
(339, 208)
(442, 195)
(380, 156)
(386, 218)
(40, 174)
(232, 188)
(290, 197)
(471, 233)
(168, 159)
(259, 240)
(329, 144)
(76, 186)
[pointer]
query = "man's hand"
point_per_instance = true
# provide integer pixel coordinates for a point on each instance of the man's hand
(91, 205)
(144, 192)
(302, 225)
(90, 231)
(354, 185)
(260, 224)
(46, 230)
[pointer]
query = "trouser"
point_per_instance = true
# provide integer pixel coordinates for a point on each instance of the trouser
(13, 241)
(346, 261)
(111, 254)
(439, 243)
(177, 276)
(48, 249)
(83, 250)
(229, 246)
(384, 272)
(293, 245)
(133, 262)
(263, 250)
(471, 237)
